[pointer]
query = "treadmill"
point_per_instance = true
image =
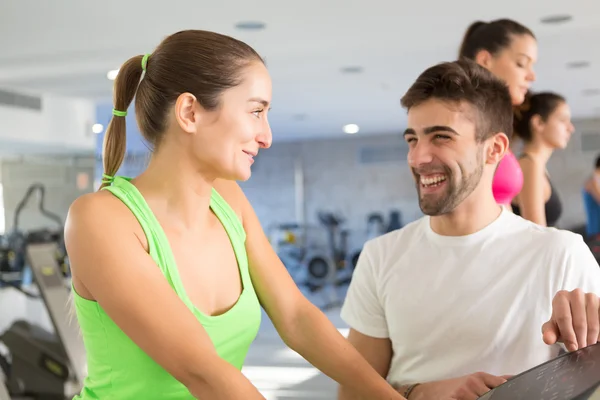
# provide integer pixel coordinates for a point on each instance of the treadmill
(46, 365)
(572, 376)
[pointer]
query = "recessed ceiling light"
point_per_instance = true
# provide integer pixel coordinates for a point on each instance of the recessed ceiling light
(97, 128)
(353, 69)
(112, 75)
(250, 25)
(578, 64)
(350, 129)
(591, 92)
(556, 19)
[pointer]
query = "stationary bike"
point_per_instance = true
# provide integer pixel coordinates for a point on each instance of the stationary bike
(340, 262)
(40, 364)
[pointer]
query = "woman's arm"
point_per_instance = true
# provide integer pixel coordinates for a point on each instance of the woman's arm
(110, 265)
(531, 198)
(301, 325)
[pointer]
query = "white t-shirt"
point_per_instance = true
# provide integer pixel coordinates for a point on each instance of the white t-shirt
(452, 306)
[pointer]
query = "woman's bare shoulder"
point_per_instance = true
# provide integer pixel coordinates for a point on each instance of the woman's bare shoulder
(100, 206)
(99, 215)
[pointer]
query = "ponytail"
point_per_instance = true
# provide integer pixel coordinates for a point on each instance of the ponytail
(521, 118)
(492, 36)
(115, 139)
(542, 104)
(466, 47)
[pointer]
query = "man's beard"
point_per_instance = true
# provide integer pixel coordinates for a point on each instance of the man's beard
(454, 193)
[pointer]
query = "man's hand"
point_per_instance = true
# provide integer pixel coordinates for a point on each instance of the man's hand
(575, 320)
(469, 387)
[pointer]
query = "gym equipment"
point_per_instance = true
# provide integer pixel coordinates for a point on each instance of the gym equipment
(4, 392)
(572, 376)
(395, 221)
(45, 365)
(295, 244)
(12, 246)
(375, 226)
(332, 266)
(339, 258)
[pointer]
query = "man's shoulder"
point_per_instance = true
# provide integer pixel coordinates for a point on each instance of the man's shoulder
(553, 239)
(395, 240)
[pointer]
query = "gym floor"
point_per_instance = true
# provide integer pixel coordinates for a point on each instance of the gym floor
(277, 371)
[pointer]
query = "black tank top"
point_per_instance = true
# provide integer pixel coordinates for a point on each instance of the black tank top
(553, 206)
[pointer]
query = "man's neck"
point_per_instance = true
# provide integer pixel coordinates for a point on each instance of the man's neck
(468, 218)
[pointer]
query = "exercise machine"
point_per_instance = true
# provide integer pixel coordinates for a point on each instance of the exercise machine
(571, 376)
(4, 392)
(333, 265)
(41, 364)
(375, 225)
(395, 222)
(339, 258)
(296, 244)
(13, 266)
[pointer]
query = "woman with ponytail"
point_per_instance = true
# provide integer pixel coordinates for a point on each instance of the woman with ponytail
(171, 268)
(543, 123)
(509, 50)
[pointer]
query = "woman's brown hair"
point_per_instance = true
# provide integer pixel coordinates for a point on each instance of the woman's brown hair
(199, 62)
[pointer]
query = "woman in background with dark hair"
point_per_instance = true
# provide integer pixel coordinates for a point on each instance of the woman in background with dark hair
(543, 122)
(508, 50)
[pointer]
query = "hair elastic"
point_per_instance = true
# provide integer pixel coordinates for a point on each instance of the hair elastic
(145, 62)
(107, 179)
(118, 113)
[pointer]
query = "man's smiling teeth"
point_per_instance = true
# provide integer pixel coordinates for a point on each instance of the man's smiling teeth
(429, 181)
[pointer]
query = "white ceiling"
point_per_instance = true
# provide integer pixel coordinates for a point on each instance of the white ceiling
(68, 46)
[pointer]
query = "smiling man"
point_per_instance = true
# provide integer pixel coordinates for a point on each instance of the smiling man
(453, 303)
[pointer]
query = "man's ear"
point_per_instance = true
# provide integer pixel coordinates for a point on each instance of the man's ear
(497, 148)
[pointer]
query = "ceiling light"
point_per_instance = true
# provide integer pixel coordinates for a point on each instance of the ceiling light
(250, 25)
(97, 128)
(112, 75)
(353, 69)
(578, 64)
(351, 129)
(556, 19)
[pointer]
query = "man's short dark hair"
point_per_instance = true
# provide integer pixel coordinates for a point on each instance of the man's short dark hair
(465, 81)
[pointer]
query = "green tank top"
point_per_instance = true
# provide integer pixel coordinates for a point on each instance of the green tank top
(117, 367)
